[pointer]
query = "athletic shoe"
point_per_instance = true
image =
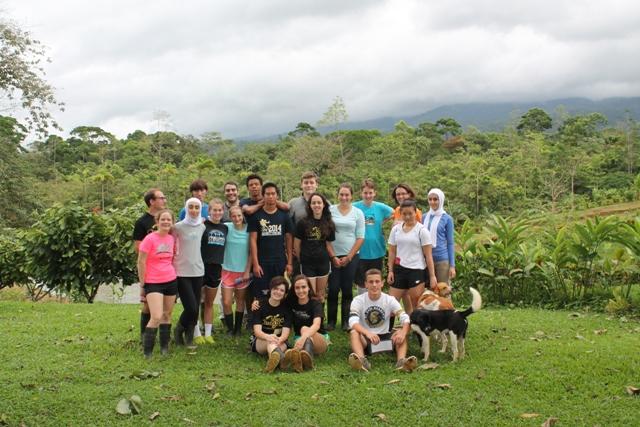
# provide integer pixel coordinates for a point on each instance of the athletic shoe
(209, 339)
(307, 360)
(359, 363)
(407, 364)
(199, 340)
(296, 361)
(273, 362)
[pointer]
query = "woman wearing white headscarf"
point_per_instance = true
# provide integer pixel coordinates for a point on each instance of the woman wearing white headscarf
(189, 268)
(440, 226)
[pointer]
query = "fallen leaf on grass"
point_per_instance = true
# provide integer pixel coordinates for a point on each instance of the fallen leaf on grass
(579, 337)
(248, 396)
(192, 353)
(323, 382)
(136, 403)
(143, 374)
(187, 420)
(380, 416)
(154, 415)
(210, 387)
(549, 422)
(270, 391)
(529, 415)
(315, 397)
(633, 391)
(600, 331)
(4, 420)
(428, 366)
(394, 381)
(481, 374)
(216, 396)
(123, 407)
(443, 386)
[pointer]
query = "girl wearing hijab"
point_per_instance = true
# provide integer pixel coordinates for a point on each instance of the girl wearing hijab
(189, 268)
(440, 226)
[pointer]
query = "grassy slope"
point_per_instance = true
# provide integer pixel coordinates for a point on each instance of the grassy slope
(70, 364)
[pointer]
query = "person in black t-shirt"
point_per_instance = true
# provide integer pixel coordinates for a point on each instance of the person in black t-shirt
(312, 244)
(155, 201)
(272, 325)
(270, 242)
(310, 337)
(212, 250)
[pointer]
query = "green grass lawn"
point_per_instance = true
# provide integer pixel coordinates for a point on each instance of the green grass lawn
(70, 364)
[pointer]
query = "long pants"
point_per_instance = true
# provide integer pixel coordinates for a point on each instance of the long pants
(190, 291)
(341, 280)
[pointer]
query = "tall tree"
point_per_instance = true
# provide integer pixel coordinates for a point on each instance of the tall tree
(22, 78)
(534, 120)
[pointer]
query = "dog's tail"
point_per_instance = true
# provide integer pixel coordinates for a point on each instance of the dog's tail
(476, 303)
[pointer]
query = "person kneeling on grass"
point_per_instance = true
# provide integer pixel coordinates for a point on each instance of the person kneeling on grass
(369, 322)
(271, 326)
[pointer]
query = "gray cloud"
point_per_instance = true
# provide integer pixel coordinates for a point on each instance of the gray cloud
(246, 68)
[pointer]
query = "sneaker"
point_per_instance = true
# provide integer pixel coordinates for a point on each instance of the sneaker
(209, 339)
(359, 363)
(199, 340)
(273, 362)
(407, 364)
(296, 361)
(307, 360)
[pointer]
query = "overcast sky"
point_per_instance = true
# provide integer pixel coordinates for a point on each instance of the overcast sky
(260, 67)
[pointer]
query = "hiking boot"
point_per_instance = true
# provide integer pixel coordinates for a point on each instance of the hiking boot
(359, 363)
(273, 361)
(407, 364)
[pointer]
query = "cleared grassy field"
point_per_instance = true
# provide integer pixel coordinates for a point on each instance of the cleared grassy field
(70, 364)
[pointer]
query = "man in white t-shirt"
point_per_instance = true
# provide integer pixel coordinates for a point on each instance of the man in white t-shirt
(369, 323)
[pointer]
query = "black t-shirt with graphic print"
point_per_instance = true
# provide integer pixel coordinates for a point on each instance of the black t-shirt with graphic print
(272, 319)
(271, 229)
(303, 315)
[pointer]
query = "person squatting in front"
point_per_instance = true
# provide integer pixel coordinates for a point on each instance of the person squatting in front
(190, 269)
(156, 272)
(369, 321)
(272, 325)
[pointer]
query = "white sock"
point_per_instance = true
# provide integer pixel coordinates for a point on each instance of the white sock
(207, 329)
(196, 331)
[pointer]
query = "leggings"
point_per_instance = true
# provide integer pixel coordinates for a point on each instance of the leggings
(190, 290)
(341, 279)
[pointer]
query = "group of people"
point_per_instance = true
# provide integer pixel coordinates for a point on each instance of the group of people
(280, 261)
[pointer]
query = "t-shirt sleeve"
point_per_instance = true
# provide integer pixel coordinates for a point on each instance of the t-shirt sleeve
(147, 244)
(387, 210)
(451, 250)
(359, 224)
(354, 311)
(138, 231)
(392, 235)
(300, 230)
(332, 236)
(288, 224)
(252, 223)
(287, 317)
(425, 237)
(256, 316)
(181, 214)
(317, 309)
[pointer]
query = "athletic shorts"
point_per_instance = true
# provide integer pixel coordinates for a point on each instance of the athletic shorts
(385, 339)
(233, 280)
(166, 288)
(363, 266)
(315, 269)
(407, 278)
(212, 276)
(253, 340)
(260, 285)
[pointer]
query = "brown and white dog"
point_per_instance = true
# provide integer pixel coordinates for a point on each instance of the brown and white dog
(426, 322)
(438, 300)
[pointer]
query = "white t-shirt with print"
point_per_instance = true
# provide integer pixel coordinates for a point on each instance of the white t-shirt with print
(409, 245)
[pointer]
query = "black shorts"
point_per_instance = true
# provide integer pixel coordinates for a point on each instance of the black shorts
(407, 278)
(363, 266)
(383, 337)
(312, 269)
(212, 275)
(166, 288)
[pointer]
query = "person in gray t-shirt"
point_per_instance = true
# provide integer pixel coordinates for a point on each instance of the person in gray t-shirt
(298, 205)
(189, 268)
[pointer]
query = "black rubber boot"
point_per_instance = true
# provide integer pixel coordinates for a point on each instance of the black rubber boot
(307, 354)
(144, 319)
(346, 307)
(228, 322)
(165, 337)
(332, 315)
(178, 334)
(149, 341)
(237, 324)
(188, 335)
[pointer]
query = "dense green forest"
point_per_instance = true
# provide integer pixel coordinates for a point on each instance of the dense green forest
(537, 164)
